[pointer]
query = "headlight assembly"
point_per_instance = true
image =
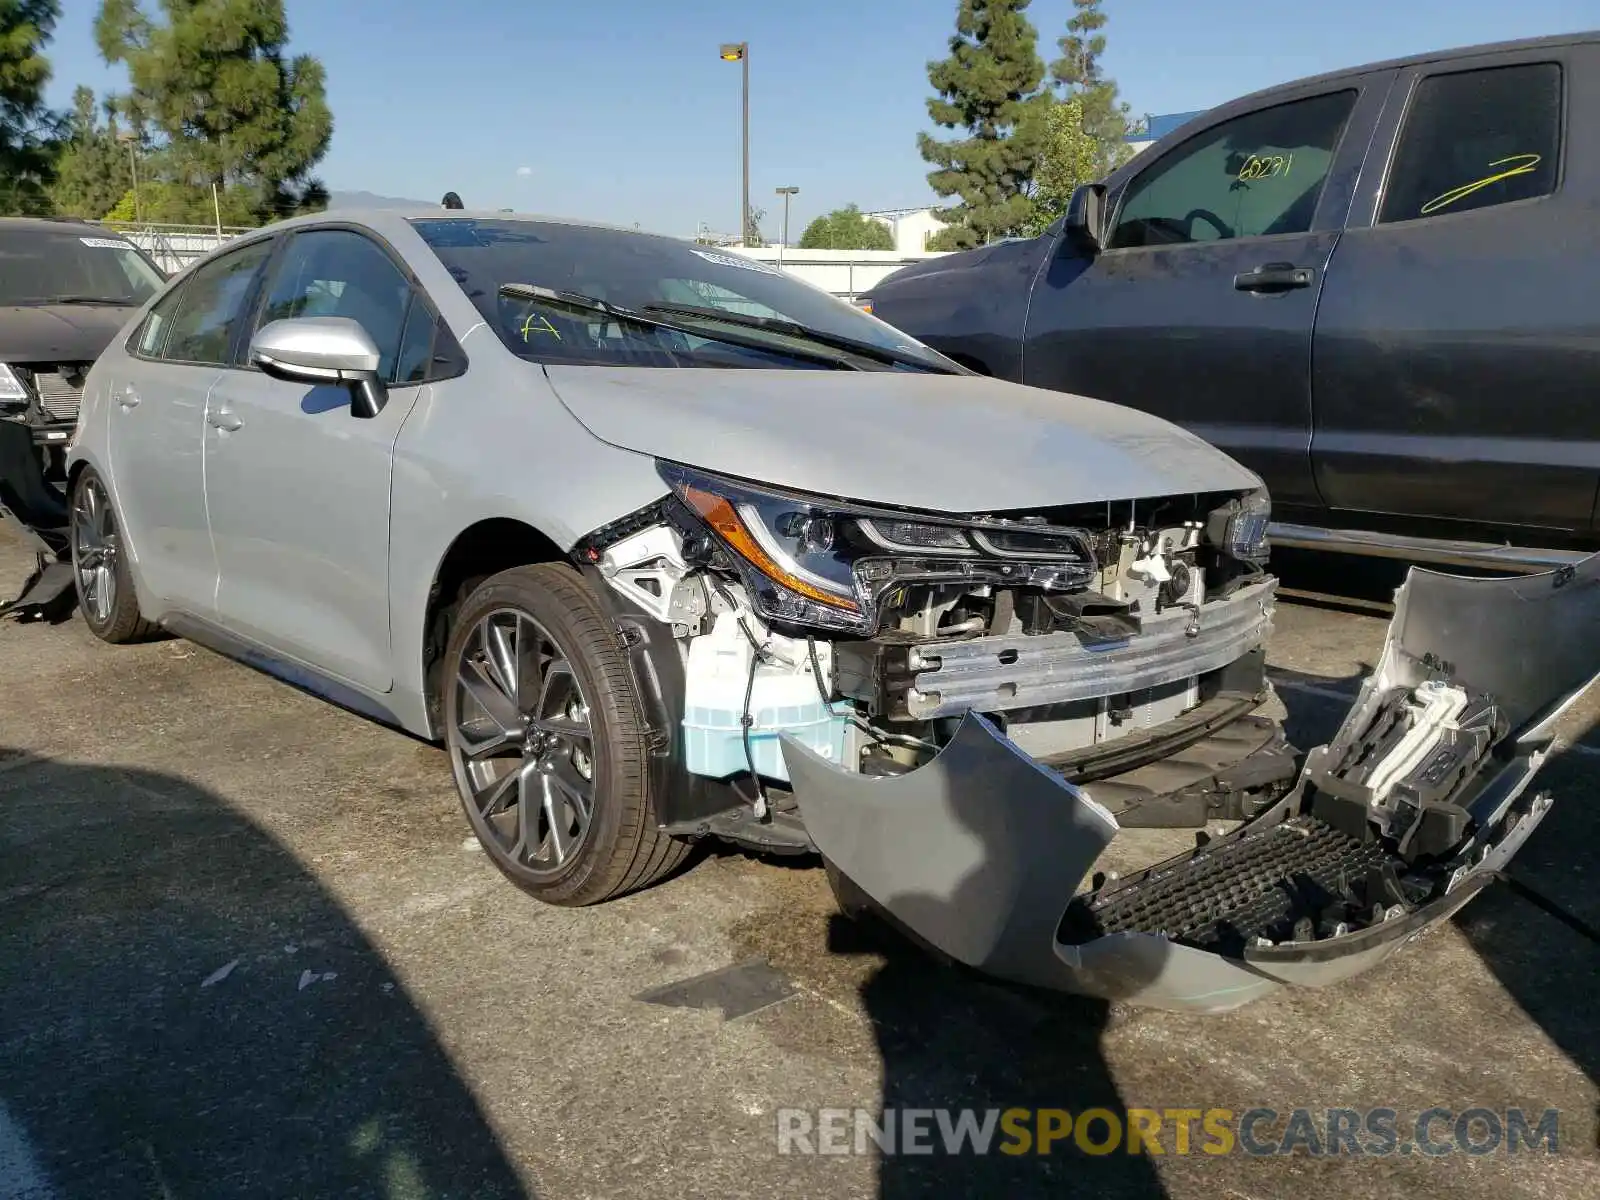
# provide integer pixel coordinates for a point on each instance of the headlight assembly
(827, 563)
(12, 392)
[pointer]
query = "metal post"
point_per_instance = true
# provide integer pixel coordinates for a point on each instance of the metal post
(739, 52)
(783, 242)
(216, 207)
(133, 163)
(744, 228)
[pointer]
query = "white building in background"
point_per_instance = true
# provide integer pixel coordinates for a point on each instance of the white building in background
(911, 227)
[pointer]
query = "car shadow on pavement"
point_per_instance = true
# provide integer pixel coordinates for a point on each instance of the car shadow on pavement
(186, 1011)
(951, 1040)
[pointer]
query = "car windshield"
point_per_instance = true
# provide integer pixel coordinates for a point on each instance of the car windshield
(64, 266)
(689, 286)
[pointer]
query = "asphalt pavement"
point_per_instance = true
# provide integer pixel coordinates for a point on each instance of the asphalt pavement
(247, 948)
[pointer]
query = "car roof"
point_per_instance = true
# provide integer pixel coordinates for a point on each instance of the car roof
(1428, 58)
(381, 219)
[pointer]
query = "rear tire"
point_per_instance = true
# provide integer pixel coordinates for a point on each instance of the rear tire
(547, 740)
(100, 567)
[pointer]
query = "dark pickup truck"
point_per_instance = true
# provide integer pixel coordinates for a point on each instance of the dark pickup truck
(1377, 288)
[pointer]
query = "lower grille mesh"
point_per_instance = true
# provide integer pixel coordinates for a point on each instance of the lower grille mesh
(58, 396)
(1219, 898)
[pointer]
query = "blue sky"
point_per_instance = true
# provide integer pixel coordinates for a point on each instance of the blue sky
(620, 110)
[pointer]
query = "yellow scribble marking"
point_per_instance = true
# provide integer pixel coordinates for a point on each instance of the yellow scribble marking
(1528, 163)
(543, 326)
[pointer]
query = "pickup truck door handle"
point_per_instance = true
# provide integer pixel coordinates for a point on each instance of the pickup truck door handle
(1274, 277)
(224, 420)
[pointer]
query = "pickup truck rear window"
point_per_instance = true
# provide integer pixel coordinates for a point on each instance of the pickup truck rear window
(1474, 139)
(1256, 175)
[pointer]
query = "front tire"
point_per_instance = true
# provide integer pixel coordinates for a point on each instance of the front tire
(100, 567)
(547, 740)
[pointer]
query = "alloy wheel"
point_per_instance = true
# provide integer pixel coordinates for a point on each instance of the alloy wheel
(95, 547)
(522, 743)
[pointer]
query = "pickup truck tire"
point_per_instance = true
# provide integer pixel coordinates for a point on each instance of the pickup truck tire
(533, 644)
(100, 568)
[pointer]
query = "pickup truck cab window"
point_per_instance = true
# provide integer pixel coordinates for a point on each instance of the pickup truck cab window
(1256, 175)
(1474, 139)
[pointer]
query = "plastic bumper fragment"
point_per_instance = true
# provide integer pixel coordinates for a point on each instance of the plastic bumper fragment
(980, 851)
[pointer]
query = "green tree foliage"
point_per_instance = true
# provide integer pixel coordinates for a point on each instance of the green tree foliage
(94, 169)
(164, 202)
(1078, 73)
(989, 87)
(950, 238)
(846, 229)
(219, 99)
(28, 128)
(1068, 157)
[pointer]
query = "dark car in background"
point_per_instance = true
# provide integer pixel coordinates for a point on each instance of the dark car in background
(66, 288)
(1373, 287)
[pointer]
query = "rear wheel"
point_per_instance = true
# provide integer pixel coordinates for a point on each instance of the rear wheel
(547, 741)
(100, 568)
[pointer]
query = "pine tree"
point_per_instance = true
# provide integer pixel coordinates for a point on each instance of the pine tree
(28, 128)
(988, 87)
(1078, 73)
(222, 101)
(93, 171)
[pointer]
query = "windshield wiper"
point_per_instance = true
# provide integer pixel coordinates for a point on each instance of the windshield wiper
(794, 329)
(123, 301)
(579, 303)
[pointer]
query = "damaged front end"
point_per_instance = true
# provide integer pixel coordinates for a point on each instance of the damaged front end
(1119, 643)
(1412, 809)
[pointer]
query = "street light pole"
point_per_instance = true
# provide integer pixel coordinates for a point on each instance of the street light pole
(785, 192)
(739, 52)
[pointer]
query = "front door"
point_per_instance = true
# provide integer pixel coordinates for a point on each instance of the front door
(298, 487)
(1200, 307)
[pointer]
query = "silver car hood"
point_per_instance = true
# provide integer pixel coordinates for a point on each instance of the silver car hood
(941, 443)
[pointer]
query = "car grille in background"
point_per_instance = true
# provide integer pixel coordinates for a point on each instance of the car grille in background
(58, 395)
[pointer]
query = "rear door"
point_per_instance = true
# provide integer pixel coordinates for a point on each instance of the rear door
(157, 415)
(1200, 307)
(1458, 340)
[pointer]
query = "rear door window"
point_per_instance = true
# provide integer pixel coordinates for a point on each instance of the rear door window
(1474, 139)
(1253, 176)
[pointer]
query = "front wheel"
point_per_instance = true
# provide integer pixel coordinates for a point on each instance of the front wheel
(547, 741)
(100, 566)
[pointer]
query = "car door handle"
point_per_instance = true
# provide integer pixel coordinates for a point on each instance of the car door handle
(1274, 277)
(224, 420)
(128, 399)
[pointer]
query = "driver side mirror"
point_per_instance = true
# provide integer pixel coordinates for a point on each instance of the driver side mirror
(318, 350)
(1085, 223)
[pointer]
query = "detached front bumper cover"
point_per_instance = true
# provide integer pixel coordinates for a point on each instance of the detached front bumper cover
(980, 851)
